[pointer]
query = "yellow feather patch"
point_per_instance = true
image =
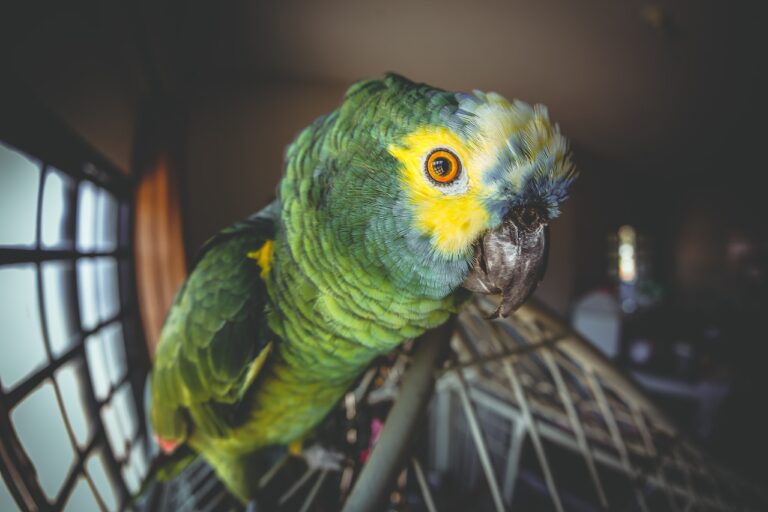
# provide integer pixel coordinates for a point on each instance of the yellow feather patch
(263, 257)
(295, 447)
(453, 221)
(255, 368)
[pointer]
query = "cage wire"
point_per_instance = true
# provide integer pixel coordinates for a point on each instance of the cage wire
(525, 415)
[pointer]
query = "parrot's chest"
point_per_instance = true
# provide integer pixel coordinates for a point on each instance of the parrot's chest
(313, 369)
(297, 392)
(288, 406)
(327, 334)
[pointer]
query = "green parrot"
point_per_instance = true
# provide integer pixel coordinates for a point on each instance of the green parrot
(391, 211)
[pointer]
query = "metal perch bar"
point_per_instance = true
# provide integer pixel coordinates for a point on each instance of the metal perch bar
(389, 454)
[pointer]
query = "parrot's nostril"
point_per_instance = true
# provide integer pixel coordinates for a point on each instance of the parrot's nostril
(528, 218)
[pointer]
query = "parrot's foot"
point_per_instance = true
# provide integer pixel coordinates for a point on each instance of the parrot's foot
(252, 506)
(319, 457)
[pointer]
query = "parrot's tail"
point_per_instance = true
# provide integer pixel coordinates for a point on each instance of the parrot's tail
(165, 467)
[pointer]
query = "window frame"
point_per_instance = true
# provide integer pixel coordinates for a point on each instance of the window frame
(29, 128)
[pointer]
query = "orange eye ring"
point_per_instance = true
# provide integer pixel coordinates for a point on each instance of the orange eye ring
(442, 166)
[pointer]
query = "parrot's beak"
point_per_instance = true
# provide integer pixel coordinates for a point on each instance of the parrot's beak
(511, 259)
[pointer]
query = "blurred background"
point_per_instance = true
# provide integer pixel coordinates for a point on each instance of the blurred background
(169, 119)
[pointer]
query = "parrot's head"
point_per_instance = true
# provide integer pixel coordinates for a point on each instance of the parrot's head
(438, 189)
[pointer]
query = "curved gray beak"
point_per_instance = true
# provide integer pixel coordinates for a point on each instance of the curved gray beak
(511, 259)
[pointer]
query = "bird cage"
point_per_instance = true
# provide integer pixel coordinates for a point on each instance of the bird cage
(525, 415)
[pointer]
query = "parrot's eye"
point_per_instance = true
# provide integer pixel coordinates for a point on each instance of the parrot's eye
(443, 166)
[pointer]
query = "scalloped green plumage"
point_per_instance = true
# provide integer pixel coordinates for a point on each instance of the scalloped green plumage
(352, 272)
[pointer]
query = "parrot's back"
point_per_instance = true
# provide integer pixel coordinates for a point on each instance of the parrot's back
(215, 339)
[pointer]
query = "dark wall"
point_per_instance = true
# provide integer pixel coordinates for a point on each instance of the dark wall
(702, 225)
(79, 59)
(681, 180)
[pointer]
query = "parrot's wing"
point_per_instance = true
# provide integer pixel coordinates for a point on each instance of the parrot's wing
(215, 339)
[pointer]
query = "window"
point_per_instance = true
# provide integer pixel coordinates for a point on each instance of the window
(72, 356)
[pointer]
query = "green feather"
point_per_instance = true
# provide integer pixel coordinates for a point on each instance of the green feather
(349, 279)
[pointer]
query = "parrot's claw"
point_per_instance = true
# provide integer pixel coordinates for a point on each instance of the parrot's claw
(319, 457)
(252, 506)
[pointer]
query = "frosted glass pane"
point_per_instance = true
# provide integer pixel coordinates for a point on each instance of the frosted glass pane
(6, 499)
(123, 404)
(106, 221)
(114, 351)
(109, 296)
(58, 279)
(99, 295)
(114, 432)
(21, 339)
(41, 430)
(57, 210)
(131, 479)
(87, 196)
(72, 387)
(88, 292)
(94, 352)
(82, 498)
(19, 186)
(97, 470)
(138, 458)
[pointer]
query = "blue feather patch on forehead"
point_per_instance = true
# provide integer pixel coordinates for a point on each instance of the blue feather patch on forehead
(532, 165)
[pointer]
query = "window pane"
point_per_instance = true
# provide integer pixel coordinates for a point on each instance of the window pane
(58, 278)
(123, 404)
(94, 352)
(106, 222)
(88, 292)
(114, 351)
(57, 210)
(114, 432)
(109, 296)
(131, 479)
(41, 430)
(21, 337)
(19, 185)
(97, 470)
(72, 388)
(99, 295)
(138, 458)
(6, 498)
(87, 195)
(82, 498)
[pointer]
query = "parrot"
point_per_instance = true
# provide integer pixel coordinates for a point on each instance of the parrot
(391, 211)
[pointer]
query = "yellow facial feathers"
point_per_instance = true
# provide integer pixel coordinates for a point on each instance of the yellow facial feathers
(455, 220)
